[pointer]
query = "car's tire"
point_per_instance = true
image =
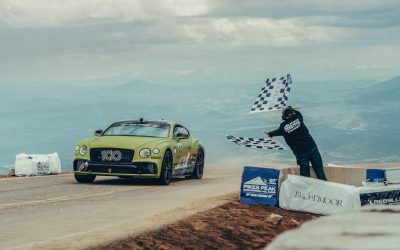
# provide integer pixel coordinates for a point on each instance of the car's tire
(166, 169)
(85, 178)
(199, 165)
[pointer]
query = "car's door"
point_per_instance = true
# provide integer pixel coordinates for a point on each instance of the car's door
(183, 144)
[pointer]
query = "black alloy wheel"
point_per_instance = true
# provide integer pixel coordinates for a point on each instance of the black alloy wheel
(199, 167)
(166, 169)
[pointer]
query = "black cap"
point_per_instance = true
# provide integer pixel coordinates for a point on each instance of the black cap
(288, 113)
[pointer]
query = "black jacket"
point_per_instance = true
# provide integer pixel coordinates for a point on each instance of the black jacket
(296, 134)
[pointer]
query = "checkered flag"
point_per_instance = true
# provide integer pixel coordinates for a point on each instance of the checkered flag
(267, 143)
(273, 95)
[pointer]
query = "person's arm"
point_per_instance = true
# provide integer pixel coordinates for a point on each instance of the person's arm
(277, 132)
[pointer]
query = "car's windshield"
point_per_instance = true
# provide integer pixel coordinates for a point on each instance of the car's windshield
(134, 128)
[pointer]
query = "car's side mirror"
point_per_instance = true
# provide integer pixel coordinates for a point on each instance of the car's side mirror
(98, 132)
(180, 136)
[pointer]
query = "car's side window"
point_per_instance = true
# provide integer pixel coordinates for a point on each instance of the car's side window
(180, 130)
(184, 131)
(176, 131)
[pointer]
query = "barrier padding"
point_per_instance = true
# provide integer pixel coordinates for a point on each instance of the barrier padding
(306, 194)
(259, 186)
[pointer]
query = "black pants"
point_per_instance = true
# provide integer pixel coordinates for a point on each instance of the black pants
(314, 157)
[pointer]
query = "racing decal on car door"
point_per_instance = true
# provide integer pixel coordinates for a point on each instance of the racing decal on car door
(183, 164)
(178, 148)
(186, 162)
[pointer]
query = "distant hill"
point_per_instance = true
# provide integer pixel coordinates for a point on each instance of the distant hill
(385, 91)
(349, 120)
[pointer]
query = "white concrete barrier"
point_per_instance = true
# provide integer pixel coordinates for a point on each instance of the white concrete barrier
(370, 228)
(37, 164)
(311, 195)
(367, 220)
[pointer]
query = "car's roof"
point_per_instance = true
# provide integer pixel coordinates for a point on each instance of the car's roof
(146, 121)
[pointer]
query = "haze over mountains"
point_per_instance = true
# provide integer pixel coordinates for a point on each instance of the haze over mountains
(351, 121)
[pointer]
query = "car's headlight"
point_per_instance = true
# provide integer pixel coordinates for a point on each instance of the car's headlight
(77, 148)
(156, 151)
(83, 150)
(145, 153)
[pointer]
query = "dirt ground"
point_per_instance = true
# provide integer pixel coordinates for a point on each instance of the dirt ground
(229, 226)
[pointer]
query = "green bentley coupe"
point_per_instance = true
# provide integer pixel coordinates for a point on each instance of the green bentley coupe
(155, 149)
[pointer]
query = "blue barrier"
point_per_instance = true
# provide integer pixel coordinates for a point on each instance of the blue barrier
(259, 186)
(375, 175)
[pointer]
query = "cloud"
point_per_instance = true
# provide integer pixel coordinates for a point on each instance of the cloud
(351, 123)
(358, 13)
(184, 72)
(198, 39)
(372, 67)
(175, 71)
(184, 7)
(55, 13)
(260, 32)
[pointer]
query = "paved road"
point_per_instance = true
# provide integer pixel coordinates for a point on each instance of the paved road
(56, 212)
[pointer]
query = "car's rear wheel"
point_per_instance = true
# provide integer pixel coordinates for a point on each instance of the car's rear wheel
(166, 169)
(199, 167)
(85, 178)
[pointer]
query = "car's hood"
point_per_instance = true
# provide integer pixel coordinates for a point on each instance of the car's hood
(128, 142)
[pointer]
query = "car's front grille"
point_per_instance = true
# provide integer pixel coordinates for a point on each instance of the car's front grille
(118, 168)
(111, 155)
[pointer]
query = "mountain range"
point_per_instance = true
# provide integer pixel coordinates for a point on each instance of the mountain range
(350, 121)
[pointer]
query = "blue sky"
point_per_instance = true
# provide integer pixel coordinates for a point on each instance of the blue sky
(187, 41)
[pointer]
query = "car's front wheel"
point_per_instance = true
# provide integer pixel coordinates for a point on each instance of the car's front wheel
(199, 167)
(85, 178)
(166, 169)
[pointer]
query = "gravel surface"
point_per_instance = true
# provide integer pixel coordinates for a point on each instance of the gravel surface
(229, 226)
